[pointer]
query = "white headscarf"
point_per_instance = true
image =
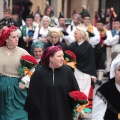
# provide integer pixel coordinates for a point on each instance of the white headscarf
(115, 63)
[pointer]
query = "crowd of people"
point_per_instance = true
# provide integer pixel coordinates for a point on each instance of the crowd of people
(49, 39)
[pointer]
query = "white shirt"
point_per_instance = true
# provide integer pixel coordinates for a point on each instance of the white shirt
(70, 38)
(109, 37)
(96, 39)
(99, 107)
(42, 31)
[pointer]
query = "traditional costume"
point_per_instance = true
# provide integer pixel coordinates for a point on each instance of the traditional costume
(27, 32)
(92, 31)
(48, 92)
(101, 51)
(85, 67)
(12, 98)
(70, 30)
(115, 41)
(107, 104)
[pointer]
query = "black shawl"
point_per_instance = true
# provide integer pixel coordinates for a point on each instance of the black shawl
(85, 57)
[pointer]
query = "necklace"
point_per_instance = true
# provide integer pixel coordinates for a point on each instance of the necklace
(10, 48)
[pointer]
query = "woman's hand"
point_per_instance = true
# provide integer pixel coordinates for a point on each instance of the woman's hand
(26, 39)
(94, 79)
(21, 86)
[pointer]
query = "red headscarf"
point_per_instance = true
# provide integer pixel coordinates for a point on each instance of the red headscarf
(5, 33)
(49, 52)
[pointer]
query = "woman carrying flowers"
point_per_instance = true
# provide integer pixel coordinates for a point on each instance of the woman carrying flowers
(48, 96)
(85, 71)
(12, 97)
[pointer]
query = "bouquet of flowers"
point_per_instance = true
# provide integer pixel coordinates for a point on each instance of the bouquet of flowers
(28, 64)
(80, 102)
(70, 58)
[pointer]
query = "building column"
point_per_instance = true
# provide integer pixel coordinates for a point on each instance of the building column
(57, 6)
(92, 7)
(40, 3)
(1, 9)
(84, 2)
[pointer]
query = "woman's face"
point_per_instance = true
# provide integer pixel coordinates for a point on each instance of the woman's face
(45, 23)
(117, 75)
(77, 35)
(12, 39)
(37, 18)
(57, 59)
(48, 12)
(54, 38)
(38, 52)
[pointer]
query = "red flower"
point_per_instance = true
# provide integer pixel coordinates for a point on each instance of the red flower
(70, 54)
(77, 95)
(29, 58)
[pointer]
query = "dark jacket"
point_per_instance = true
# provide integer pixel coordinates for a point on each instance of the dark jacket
(108, 92)
(48, 94)
(84, 57)
(63, 45)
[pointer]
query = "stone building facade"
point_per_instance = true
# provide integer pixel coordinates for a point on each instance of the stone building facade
(67, 6)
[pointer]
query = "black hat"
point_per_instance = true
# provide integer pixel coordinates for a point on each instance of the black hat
(30, 16)
(61, 15)
(68, 21)
(84, 13)
(15, 12)
(102, 20)
(117, 18)
(29, 3)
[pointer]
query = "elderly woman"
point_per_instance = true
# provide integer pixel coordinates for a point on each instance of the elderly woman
(85, 68)
(54, 40)
(49, 87)
(107, 103)
(37, 50)
(12, 96)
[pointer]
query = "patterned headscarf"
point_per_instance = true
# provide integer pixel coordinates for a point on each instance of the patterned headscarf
(5, 33)
(49, 52)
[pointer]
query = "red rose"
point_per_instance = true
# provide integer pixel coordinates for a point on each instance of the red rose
(29, 58)
(77, 95)
(70, 54)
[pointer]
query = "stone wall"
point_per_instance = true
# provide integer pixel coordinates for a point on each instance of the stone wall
(1, 9)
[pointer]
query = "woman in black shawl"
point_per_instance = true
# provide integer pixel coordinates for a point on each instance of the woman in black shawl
(85, 71)
(49, 87)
